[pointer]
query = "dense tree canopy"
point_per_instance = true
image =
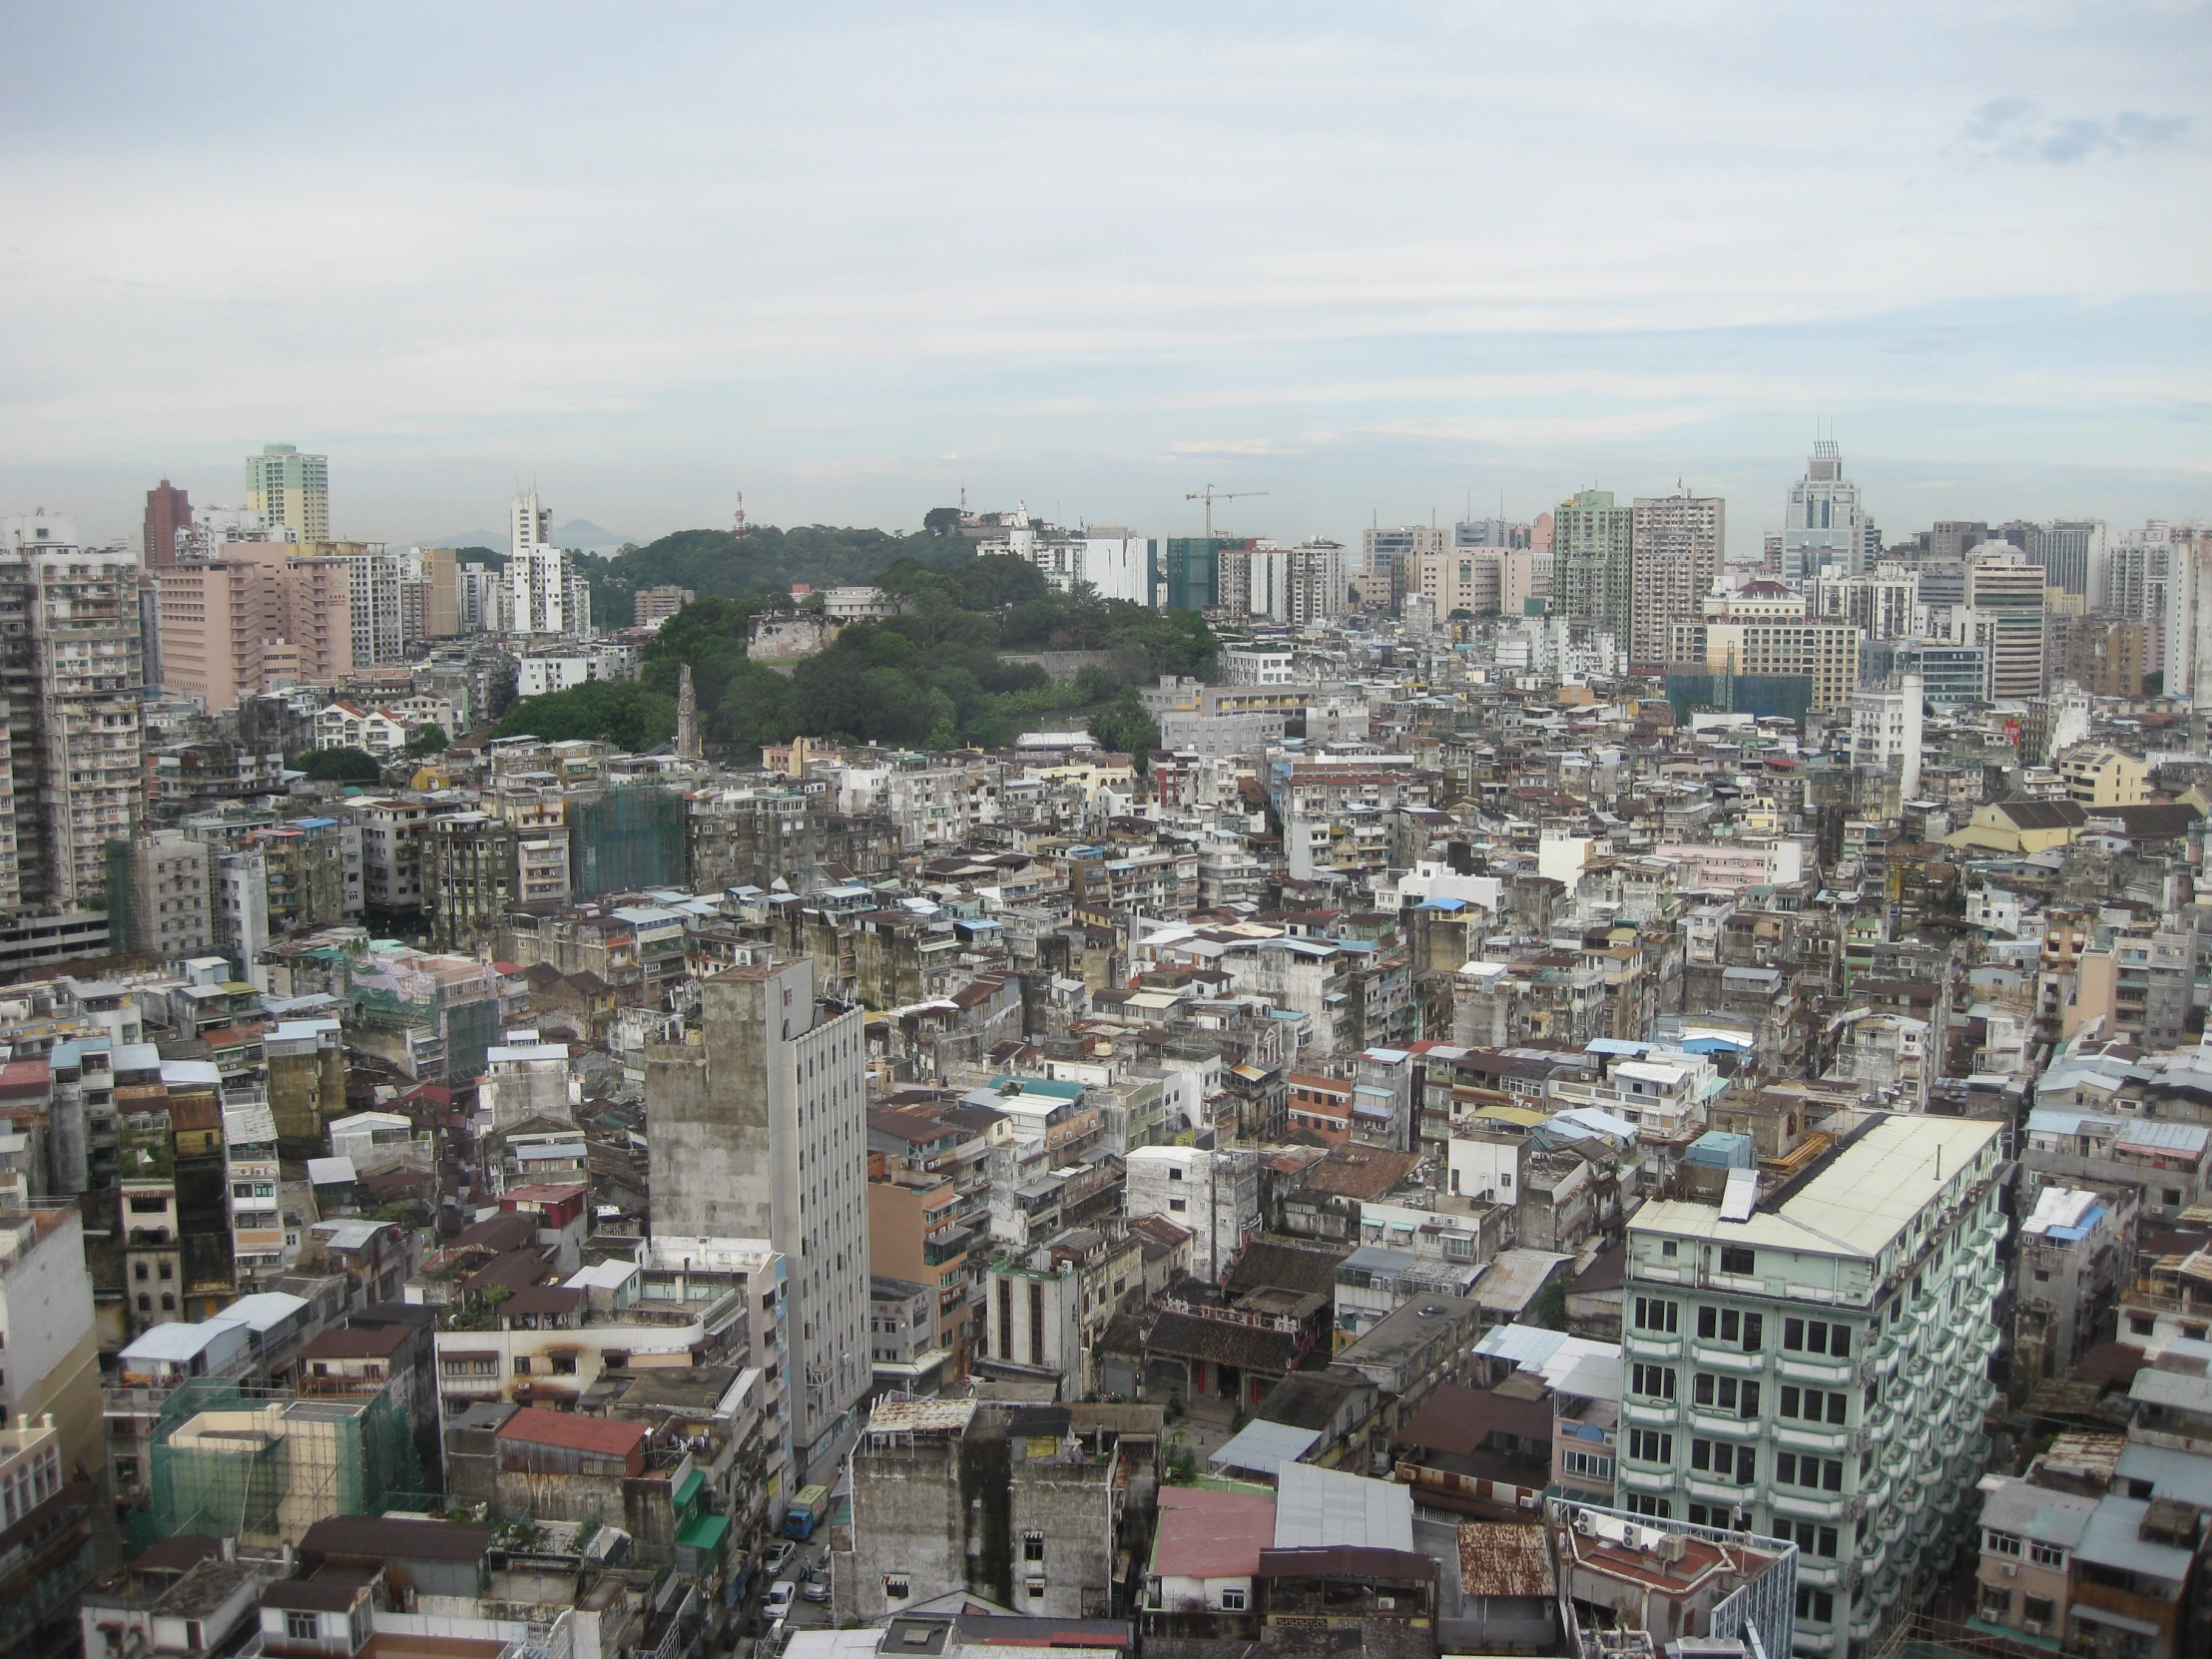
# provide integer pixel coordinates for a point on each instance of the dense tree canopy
(624, 712)
(338, 766)
(717, 564)
(932, 677)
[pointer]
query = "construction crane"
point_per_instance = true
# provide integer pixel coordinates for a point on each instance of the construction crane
(1209, 495)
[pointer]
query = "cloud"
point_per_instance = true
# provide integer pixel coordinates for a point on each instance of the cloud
(2014, 129)
(1228, 446)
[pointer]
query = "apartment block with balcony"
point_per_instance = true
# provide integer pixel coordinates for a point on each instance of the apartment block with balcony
(1813, 1364)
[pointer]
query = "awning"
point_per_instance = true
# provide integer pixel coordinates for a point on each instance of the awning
(707, 1533)
(2118, 1621)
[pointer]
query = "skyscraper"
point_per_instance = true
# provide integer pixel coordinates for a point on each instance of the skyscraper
(550, 596)
(1826, 519)
(760, 1132)
(167, 519)
(291, 489)
(2005, 593)
(72, 678)
(2069, 550)
(1679, 542)
(1594, 542)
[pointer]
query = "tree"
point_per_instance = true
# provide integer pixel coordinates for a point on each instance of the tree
(338, 766)
(1126, 726)
(1551, 1305)
(621, 711)
(430, 739)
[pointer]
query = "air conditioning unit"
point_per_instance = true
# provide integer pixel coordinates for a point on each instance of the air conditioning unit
(2011, 1569)
(2032, 1627)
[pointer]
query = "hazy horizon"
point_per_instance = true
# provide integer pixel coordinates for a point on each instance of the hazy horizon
(1370, 264)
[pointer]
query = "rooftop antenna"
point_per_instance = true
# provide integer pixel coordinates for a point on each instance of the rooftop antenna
(738, 525)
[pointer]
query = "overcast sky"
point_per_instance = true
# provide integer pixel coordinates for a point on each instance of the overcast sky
(1370, 259)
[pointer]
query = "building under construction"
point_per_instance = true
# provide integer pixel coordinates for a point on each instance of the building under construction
(628, 839)
(228, 1463)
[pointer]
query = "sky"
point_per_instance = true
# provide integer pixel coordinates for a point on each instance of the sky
(1372, 263)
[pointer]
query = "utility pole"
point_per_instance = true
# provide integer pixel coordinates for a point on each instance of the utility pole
(1209, 495)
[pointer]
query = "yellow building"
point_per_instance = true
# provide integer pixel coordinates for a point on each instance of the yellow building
(2097, 775)
(2019, 828)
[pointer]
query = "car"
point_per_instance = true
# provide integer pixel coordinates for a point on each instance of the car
(818, 1588)
(779, 1595)
(778, 1558)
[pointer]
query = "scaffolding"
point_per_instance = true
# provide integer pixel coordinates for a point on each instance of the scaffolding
(228, 1461)
(628, 839)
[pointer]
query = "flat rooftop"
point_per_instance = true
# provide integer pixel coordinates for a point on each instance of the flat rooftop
(1867, 1195)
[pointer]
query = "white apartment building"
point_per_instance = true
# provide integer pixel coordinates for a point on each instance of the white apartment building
(71, 677)
(350, 726)
(1258, 665)
(553, 671)
(46, 1320)
(392, 853)
(1677, 545)
(548, 595)
(376, 606)
(1818, 1369)
(1885, 731)
(1885, 603)
(1214, 1194)
(1106, 557)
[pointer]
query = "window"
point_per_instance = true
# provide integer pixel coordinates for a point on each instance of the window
(1810, 1539)
(1817, 1337)
(1724, 1461)
(1036, 1589)
(138, 1272)
(2140, 1325)
(1736, 1258)
(1996, 1602)
(2036, 1609)
(2173, 1197)
(1178, 1205)
(1657, 1508)
(169, 1302)
(1652, 1381)
(1667, 1249)
(1232, 1601)
(1654, 1315)
(522, 1364)
(1649, 1446)
(1995, 1542)
(564, 1364)
(300, 1627)
(898, 1586)
(2046, 1555)
(1587, 1463)
(1032, 1546)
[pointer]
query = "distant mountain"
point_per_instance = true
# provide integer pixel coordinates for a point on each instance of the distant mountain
(592, 538)
(577, 532)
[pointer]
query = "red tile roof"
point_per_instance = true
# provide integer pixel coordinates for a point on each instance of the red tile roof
(577, 1434)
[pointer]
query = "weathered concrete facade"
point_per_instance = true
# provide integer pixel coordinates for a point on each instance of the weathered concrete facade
(759, 1131)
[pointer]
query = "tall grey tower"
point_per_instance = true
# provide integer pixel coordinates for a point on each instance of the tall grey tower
(759, 1130)
(1827, 522)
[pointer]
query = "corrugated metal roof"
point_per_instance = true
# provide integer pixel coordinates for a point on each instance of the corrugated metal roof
(1265, 1446)
(1326, 1509)
(2112, 1540)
